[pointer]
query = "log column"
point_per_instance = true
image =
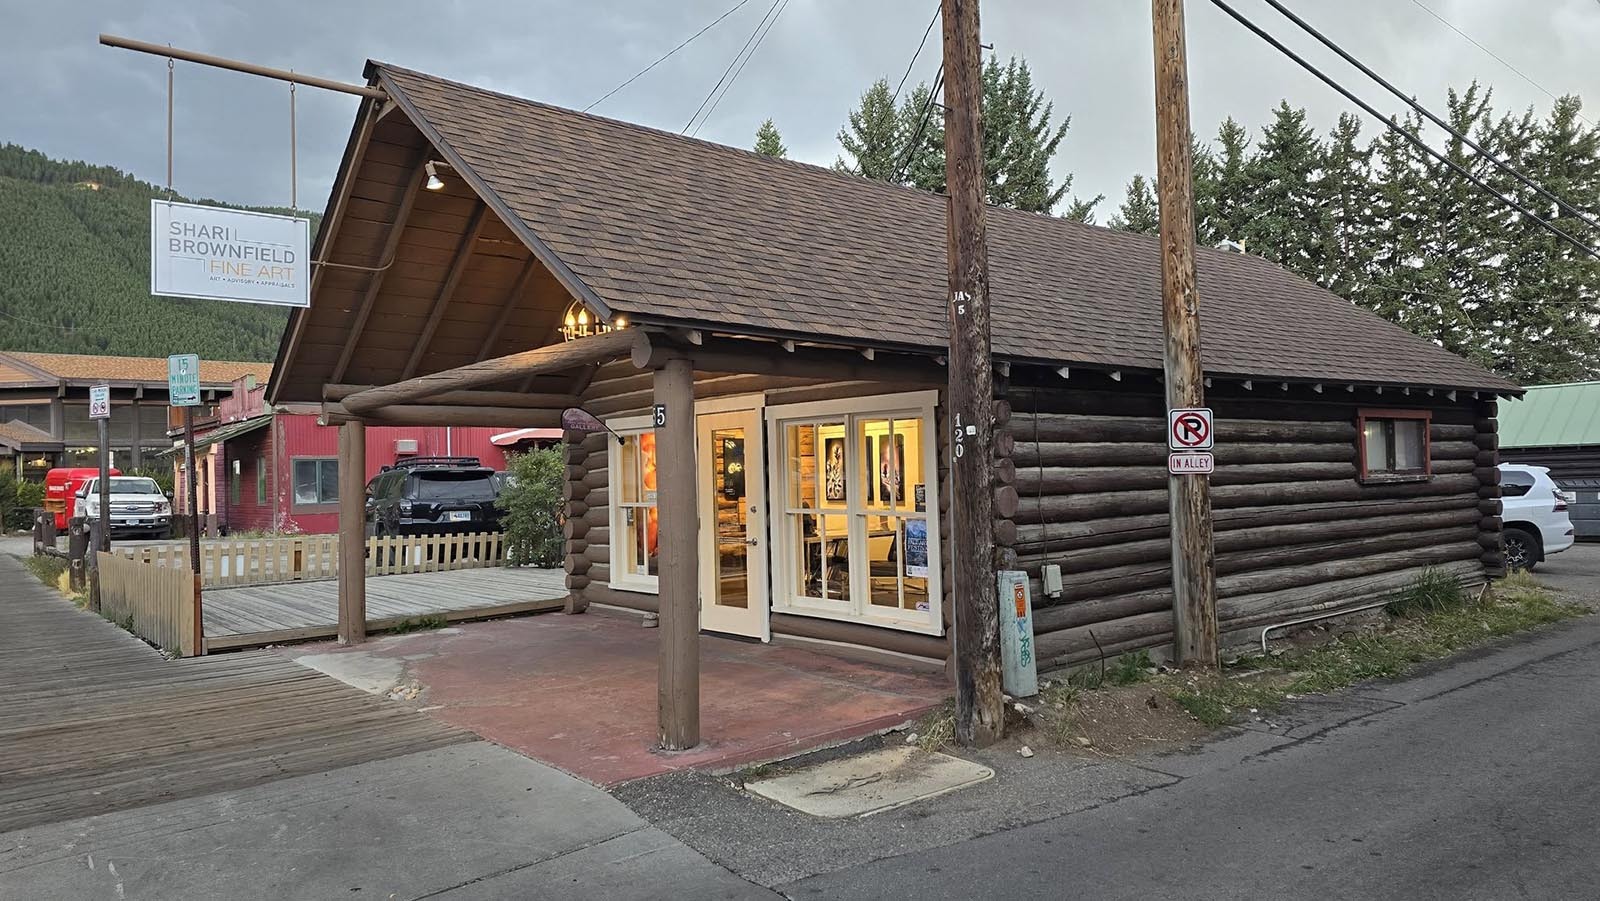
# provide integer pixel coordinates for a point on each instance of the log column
(678, 545)
(352, 533)
(1486, 463)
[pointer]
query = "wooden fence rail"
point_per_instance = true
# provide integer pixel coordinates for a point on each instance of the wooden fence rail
(305, 558)
(153, 599)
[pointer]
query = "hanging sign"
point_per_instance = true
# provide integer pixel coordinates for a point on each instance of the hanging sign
(220, 254)
(183, 380)
(100, 402)
(1190, 429)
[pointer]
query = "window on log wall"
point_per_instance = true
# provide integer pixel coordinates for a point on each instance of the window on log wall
(1393, 445)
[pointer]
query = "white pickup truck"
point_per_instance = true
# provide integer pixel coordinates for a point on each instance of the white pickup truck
(137, 506)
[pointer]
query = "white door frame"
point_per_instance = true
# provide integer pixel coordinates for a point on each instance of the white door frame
(752, 621)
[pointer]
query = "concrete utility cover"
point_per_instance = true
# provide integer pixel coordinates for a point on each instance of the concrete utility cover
(871, 783)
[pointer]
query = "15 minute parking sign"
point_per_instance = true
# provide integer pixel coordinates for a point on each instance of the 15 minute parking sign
(183, 380)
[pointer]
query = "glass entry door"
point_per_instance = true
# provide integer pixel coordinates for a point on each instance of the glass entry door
(733, 524)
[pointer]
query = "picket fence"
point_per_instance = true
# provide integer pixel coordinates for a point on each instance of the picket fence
(304, 558)
(153, 599)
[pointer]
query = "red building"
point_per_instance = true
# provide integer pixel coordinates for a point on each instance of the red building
(269, 469)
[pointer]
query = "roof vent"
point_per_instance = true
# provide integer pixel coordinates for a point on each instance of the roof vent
(1230, 246)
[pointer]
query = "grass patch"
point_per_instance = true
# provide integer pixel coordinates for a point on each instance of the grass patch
(419, 624)
(1128, 669)
(937, 730)
(1430, 619)
(46, 568)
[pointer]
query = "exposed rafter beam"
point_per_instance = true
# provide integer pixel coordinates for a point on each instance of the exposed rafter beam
(513, 297)
(426, 414)
(458, 266)
(512, 399)
(553, 358)
(391, 243)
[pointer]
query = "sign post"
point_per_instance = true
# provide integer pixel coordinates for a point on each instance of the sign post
(183, 390)
(100, 412)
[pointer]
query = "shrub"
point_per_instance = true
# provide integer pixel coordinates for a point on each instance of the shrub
(161, 474)
(1428, 593)
(531, 507)
(17, 500)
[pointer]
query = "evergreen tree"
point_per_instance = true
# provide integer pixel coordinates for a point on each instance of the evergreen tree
(922, 153)
(1224, 187)
(1139, 212)
(1282, 215)
(872, 136)
(769, 142)
(1346, 195)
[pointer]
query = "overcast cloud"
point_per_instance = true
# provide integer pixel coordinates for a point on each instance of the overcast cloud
(62, 93)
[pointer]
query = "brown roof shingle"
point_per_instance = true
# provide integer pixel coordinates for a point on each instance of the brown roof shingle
(664, 227)
(87, 367)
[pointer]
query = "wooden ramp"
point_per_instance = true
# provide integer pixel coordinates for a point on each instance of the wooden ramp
(94, 720)
(297, 611)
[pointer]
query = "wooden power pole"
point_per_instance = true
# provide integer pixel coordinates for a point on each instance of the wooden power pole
(1194, 581)
(980, 709)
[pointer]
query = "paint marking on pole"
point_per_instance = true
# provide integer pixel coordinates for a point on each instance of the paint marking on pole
(100, 402)
(1190, 429)
(1019, 666)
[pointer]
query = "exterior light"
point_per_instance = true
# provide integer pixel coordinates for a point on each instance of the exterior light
(434, 182)
(578, 322)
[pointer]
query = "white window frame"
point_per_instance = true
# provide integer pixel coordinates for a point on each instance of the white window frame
(622, 580)
(919, 405)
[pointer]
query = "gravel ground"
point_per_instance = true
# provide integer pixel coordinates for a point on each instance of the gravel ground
(1575, 572)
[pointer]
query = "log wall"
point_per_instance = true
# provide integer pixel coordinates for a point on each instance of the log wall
(1296, 532)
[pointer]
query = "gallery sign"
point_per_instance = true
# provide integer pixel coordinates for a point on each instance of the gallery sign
(220, 254)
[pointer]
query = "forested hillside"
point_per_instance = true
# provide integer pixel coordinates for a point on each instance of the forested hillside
(75, 271)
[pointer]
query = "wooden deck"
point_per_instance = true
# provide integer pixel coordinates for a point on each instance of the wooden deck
(95, 720)
(297, 611)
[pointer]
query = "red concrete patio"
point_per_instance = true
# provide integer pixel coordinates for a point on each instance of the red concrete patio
(579, 692)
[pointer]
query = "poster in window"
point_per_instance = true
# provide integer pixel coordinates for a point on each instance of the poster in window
(891, 460)
(833, 489)
(916, 549)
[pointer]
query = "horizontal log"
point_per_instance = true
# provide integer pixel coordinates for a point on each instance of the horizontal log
(454, 415)
(1442, 432)
(597, 553)
(551, 358)
(1491, 524)
(1062, 536)
(576, 509)
(1103, 504)
(575, 529)
(1005, 532)
(1004, 443)
(1005, 501)
(600, 572)
(1292, 577)
(1002, 412)
(1109, 453)
(1160, 643)
(576, 583)
(1233, 540)
(1286, 603)
(1032, 482)
(510, 399)
(577, 564)
(927, 646)
(598, 534)
(1084, 613)
(1005, 471)
(598, 593)
(1078, 428)
(1102, 635)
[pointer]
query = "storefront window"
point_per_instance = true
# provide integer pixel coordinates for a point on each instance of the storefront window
(316, 482)
(634, 524)
(858, 534)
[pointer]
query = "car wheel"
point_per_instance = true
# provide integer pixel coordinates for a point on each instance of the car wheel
(1522, 550)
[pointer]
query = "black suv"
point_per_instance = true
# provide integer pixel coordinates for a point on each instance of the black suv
(433, 496)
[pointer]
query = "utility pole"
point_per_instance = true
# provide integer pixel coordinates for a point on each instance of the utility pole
(192, 489)
(980, 709)
(1194, 580)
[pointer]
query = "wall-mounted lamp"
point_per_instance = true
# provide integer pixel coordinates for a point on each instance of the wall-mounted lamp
(434, 182)
(578, 322)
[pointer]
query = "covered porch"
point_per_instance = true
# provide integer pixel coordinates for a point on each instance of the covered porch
(438, 304)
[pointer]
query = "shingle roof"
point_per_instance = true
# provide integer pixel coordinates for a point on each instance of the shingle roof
(125, 369)
(16, 433)
(1552, 416)
(664, 227)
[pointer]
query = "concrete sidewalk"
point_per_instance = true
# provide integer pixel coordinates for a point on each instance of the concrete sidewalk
(466, 822)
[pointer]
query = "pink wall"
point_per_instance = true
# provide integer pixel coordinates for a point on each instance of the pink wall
(298, 436)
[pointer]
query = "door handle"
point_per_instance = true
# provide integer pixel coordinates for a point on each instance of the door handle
(752, 541)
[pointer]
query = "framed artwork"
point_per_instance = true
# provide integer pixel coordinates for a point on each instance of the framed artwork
(891, 469)
(833, 479)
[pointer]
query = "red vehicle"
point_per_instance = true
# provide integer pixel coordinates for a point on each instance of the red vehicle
(61, 490)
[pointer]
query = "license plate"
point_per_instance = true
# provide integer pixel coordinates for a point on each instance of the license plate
(458, 516)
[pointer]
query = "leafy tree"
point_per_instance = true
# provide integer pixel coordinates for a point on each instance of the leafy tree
(769, 142)
(1139, 211)
(872, 137)
(531, 504)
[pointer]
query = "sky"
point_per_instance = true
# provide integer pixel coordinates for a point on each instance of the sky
(63, 94)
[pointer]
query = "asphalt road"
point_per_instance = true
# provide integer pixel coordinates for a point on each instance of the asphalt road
(1474, 780)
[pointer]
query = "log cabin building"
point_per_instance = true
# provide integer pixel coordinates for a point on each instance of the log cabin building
(765, 341)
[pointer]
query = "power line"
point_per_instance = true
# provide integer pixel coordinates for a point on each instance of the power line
(731, 63)
(1395, 127)
(1412, 102)
(922, 44)
(663, 58)
(922, 123)
(736, 72)
(1497, 58)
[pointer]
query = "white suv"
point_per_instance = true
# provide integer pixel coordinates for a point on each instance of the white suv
(1534, 512)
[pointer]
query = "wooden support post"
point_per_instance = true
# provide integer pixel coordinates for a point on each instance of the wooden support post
(352, 533)
(980, 708)
(1194, 581)
(678, 684)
